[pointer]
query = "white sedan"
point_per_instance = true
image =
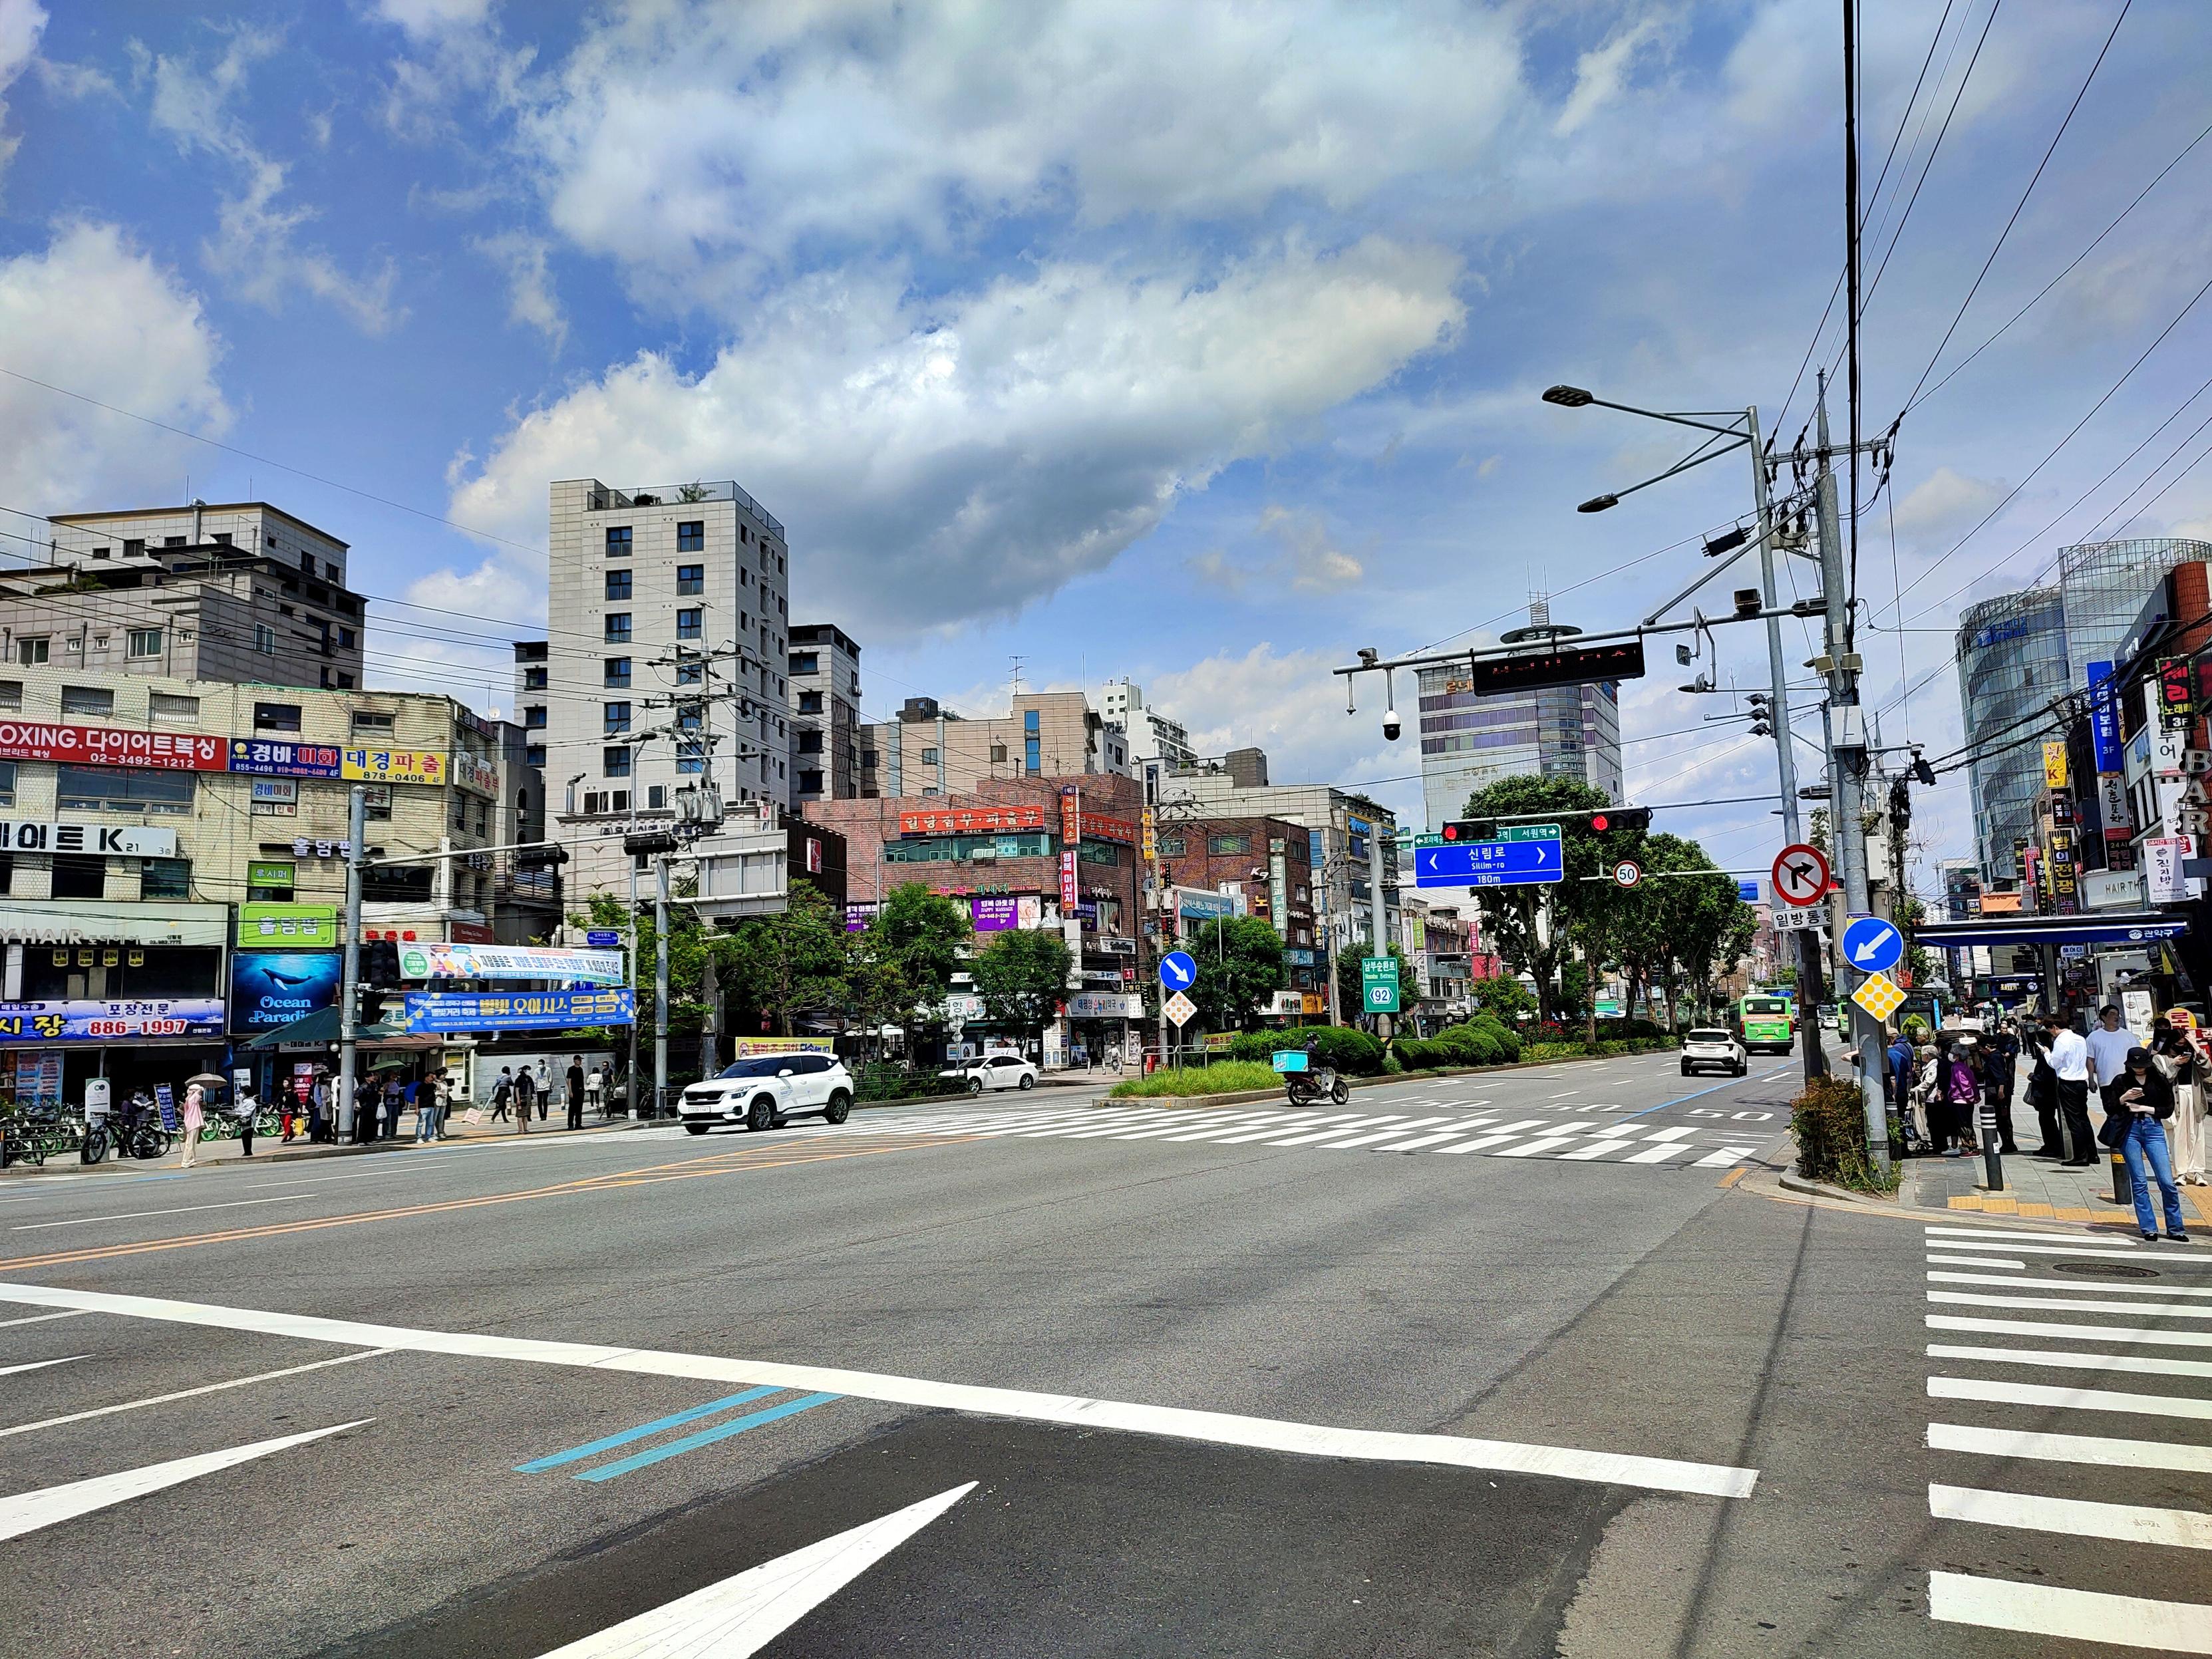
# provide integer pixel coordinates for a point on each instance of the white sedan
(993, 1072)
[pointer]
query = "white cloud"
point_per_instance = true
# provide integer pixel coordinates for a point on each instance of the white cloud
(531, 299)
(1308, 560)
(256, 248)
(679, 138)
(1601, 74)
(936, 464)
(424, 19)
(21, 23)
(1946, 504)
(91, 313)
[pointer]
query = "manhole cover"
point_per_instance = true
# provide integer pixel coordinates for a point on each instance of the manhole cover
(2103, 1270)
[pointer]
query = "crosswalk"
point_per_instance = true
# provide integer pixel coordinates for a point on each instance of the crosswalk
(1598, 1136)
(2081, 1427)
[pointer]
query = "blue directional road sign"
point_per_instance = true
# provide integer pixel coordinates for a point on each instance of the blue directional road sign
(1488, 864)
(1871, 944)
(1177, 971)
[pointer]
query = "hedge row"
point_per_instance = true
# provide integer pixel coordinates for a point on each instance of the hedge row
(1482, 1041)
(1341, 1047)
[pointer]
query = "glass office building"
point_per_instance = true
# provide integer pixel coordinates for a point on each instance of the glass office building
(2012, 662)
(2103, 585)
(1556, 732)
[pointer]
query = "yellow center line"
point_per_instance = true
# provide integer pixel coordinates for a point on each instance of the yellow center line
(763, 1157)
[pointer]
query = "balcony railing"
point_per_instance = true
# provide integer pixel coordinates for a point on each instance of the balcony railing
(607, 499)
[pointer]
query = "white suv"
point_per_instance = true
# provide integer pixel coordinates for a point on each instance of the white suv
(768, 1090)
(1714, 1046)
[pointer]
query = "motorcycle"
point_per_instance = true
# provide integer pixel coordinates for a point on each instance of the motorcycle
(1305, 1083)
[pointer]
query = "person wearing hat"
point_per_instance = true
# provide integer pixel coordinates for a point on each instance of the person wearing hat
(1962, 1092)
(2138, 1102)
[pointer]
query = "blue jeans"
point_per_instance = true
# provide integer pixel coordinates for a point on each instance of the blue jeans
(2145, 1140)
(426, 1123)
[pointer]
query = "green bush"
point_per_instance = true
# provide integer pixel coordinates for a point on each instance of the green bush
(1226, 1077)
(1828, 1122)
(1341, 1047)
(882, 1080)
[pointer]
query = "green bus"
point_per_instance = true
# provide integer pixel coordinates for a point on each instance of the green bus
(1762, 1023)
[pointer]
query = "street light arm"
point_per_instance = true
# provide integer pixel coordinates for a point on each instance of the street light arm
(1732, 431)
(1698, 459)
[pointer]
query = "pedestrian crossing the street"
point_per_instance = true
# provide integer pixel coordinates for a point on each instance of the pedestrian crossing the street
(2070, 1394)
(1599, 1134)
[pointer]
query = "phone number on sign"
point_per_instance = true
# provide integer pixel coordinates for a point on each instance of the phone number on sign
(100, 1028)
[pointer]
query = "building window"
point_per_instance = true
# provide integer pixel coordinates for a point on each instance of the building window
(1032, 758)
(691, 535)
(810, 783)
(617, 718)
(11, 695)
(533, 754)
(76, 877)
(122, 789)
(615, 760)
(1222, 847)
(618, 584)
(929, 758)
(1171, 847)
(618, 627)
(810, 743)
(810, 702)
(132, 547)
(276, 716)
(690, 765)
(1029, 719)
(618, 541)
(533, 680)
(998, 752)
(143, 642)
(7, 783)
(33, 653)
(87, 699)
(656, 797)
(167, 879)
(691, 673)
(345, 639)
(616, 670)
(690, 579)
(805, 662)
(691, 624)
(370, 723)
(169, 709)
(264, 639)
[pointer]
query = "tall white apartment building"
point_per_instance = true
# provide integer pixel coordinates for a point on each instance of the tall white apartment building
(664, 664)
(1159, 743)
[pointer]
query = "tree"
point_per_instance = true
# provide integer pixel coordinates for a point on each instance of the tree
(908, 954)
(1351, 995)
(1022, 977)
(1240, 966)
(689, 940)
(1503, 996)
(794, 962)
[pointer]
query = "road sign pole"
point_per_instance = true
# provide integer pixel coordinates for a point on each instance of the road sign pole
(1382, 937)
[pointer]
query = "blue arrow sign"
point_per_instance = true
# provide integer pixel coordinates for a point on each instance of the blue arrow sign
(1488, 864)
(1177, 971)
(1871, 944)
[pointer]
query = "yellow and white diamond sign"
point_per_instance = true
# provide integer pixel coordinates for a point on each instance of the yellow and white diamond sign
(1181, 1008)
(1879, 996)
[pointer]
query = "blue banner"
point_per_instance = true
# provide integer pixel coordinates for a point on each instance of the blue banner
(446, 1013)
(272, 988)
(2103, 718)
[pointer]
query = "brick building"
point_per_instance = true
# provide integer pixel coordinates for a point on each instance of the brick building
(1266, 862)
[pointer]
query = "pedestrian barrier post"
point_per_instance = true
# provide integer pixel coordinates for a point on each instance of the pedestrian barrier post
(1992, 1165)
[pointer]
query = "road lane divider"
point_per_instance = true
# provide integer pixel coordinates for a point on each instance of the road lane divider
(191, 1394)
(642, 1431)
(1075, 1411)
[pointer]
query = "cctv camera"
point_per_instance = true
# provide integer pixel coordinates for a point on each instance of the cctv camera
(1390, 725)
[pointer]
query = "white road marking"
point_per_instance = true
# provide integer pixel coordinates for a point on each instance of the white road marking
(2075, 1517)
(2009, 1236)
(2141, 1365)
(28, 1511)
(1497, 1137)
(1363, 1136)
(1419, 1141)
(2132, 1621)
(2132, 1253)
(1977, 1262)
(1342, 1119)
(2072, 1333)
(740, 1616)
(39, 1364)
(2088, 1399)
(2062, 1304)
(1597, 1149)
(1531, 1149)
(1725, 1155)
(1656, 1154)
(2101, 1286)
(1392, 1121)
(1215, 1428)
(189, 1394)
(1669, 1134)
(40, 1319)
(2071, 1448)
(141, 1215)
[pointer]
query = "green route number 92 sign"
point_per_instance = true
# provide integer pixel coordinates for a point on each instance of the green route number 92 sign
(1378, 984)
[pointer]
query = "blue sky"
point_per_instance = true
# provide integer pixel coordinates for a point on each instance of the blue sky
(1198, 344)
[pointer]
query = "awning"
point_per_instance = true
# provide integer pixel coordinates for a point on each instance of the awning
(2107, 928)
(322, 1026)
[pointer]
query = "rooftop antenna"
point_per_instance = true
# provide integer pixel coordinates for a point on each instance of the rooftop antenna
(1017, 677)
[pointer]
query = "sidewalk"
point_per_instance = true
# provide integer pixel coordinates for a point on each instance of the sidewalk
(2034, 1188)
(268, 1148)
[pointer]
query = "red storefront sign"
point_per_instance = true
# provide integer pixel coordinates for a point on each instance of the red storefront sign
(966, 821)
(103, 745)
(1071, 816)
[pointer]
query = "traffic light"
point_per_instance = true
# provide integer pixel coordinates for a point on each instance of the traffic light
(1762, 715)
(380, 962)
(1635, 820)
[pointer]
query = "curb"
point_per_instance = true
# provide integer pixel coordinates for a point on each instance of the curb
(1796, 1183)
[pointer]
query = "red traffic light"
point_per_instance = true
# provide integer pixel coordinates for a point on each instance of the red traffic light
(1452, 832)
(1600, 823)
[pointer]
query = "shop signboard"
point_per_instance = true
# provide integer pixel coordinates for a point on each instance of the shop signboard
(2177, 694)
(444, 1013)
(103, 745)
(263, 758)
(38, 1080)
(274, 798)
(83, 1021)
(994, 915)
(125, 840)
(1279, 886)
(2054, 765)
(2162, 877)
(968, 821)
(748, 1048)
(1071, 887)
(271, 872)
(288, 926)
(2103, 718)
(393, 765)
(857, 915)
(1196, 903)
(271, 988)
(1098, 828)
(459, 961)
(1096, 1005)
(471, 772)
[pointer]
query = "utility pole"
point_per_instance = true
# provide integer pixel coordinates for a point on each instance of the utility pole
(1846, 761)
(1808, 952)
(1381, 938)
(659, 982)
(349, 990)
(636, 1104)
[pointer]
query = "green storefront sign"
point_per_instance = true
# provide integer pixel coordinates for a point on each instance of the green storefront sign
(1378, 985)
(288, 926)
(270, 872)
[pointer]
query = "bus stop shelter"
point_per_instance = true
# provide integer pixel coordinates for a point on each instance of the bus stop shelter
(2144, 930)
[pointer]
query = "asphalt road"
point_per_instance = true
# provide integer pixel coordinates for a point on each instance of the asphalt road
(1468, 1367)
